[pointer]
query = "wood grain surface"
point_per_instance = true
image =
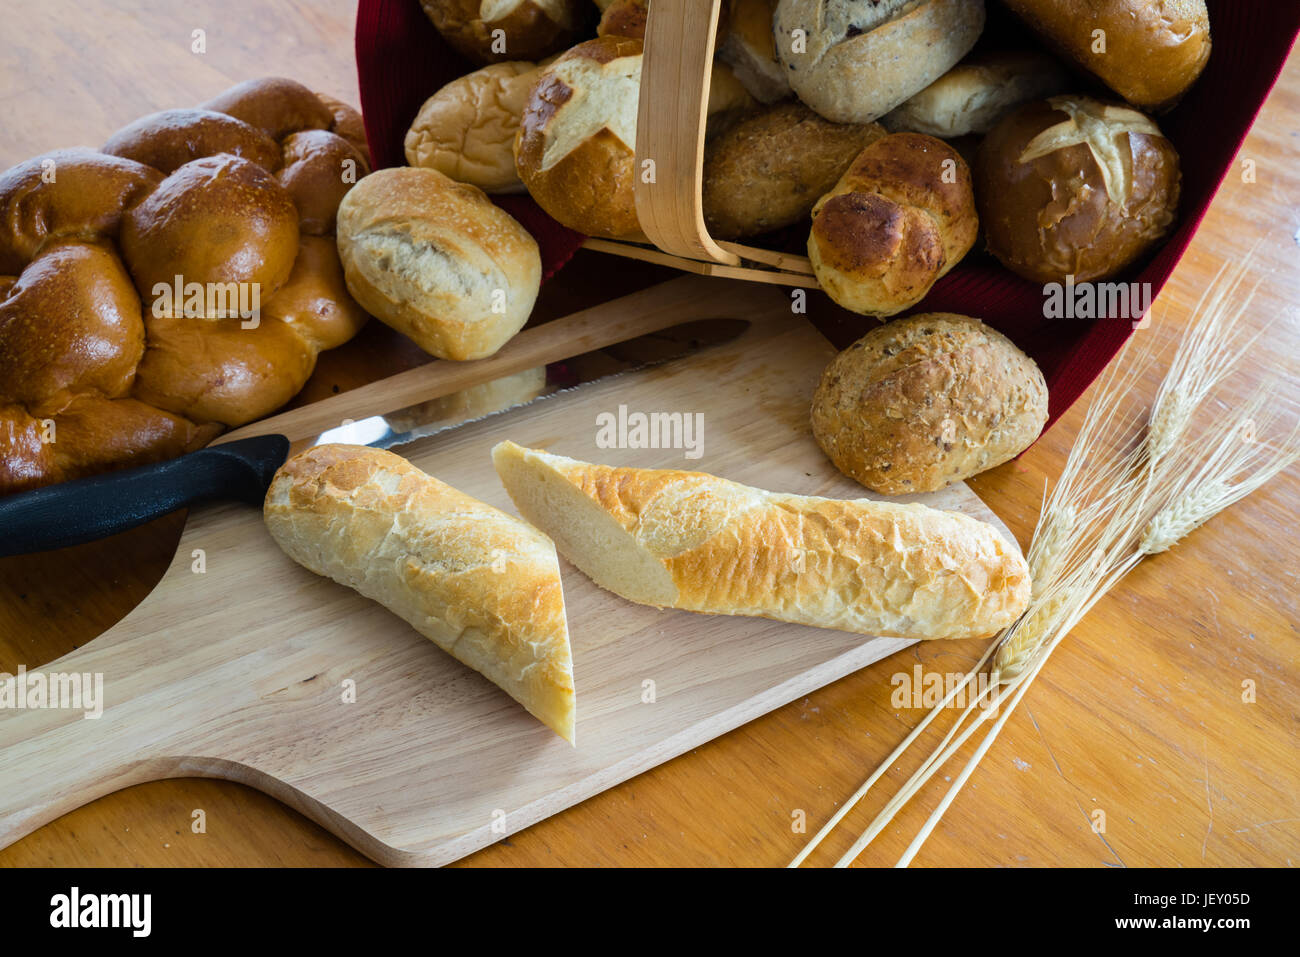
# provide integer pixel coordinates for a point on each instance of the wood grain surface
(1140, 712)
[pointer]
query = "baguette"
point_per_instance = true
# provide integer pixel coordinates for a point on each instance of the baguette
(480, 584)
(700, 543)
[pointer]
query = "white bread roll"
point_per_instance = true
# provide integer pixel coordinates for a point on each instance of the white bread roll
(693, 541)
(480, 584)
(437, 261)
(855, 60)
(467, 129)
(976, 93)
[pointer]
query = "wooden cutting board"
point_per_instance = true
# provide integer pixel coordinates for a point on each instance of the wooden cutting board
(243, 665)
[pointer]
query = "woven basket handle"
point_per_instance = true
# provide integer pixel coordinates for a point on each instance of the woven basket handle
(675, 74)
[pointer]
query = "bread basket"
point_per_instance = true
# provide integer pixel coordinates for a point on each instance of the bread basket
(402, 60)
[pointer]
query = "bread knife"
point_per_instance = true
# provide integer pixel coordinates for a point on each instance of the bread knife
(83, 510)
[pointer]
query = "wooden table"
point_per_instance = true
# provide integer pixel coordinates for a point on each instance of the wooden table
(1139, 713)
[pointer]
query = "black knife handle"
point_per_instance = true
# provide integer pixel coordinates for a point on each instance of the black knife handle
(87, 509)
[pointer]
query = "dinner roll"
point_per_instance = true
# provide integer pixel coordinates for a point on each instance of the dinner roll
(768, 170)
(624, 18)
(976, 93)
(437, 261)
(855, 60)
(467, 129)
(1075, 186)
(899, 218)
(491, 31)
(1150, 51)
(927, 400)
(575, 150)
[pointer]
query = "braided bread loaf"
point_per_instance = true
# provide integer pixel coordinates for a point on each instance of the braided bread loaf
(177, 282)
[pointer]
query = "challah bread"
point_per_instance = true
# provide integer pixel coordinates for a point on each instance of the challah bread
(769, 169)
(750, 50)
(480, 584)
(1152, 50)
(347, 123)
(490, 31)
(217, 219)
(466, 130)
(693, 541)
(437, 261)
(923, 401)
(1072, 186)
(172, 138)
(93, 377)
(575, 150)
(976, 93)
(855, 60)
(900, 217)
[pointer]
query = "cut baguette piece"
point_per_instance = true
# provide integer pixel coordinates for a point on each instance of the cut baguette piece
(480, 584)
(693, 541)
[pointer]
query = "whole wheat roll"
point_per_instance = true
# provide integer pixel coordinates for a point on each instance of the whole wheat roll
(694, 541)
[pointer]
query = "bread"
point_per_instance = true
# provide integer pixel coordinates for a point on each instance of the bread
(975, 94)
(769, 169)
(729, 101)
(1072, 186)
(693, 541)
(480, 584)
(899, 218)
(1153, 49)
(437, 261)
(927, 400)
(467, 129)
(348, 124)
(207, 218)
(855, 60)
(575, 150)
(624, 18)
(750, 50)
(492, 31)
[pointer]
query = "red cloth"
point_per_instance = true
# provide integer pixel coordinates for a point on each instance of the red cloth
(402, 60)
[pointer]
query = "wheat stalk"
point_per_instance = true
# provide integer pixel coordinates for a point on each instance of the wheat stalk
(1134, 484)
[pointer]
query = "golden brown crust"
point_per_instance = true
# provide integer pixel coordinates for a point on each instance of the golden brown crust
(927, 400)
(1052, 215)
(900, 217)
(482, 585)
(315, 301)
(584, 180)
(624, 18)
(1154, 49)
(348, 124)
(172, 138)
(274, 105)
(319, 168)
(529, 29)
(437, 261)
(770, 169)
(875, 568)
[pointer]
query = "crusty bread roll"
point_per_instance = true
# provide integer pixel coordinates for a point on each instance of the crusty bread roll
(480, 584)
(927, 400)
(437, 261)
(1074, 186)
(491, 31)
(976, 93)
(750, 50)
(769, 169)
(576, 146)
(1153, 50)
(467, 129)
(693, 541)
(855, 60)
(899, 218)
